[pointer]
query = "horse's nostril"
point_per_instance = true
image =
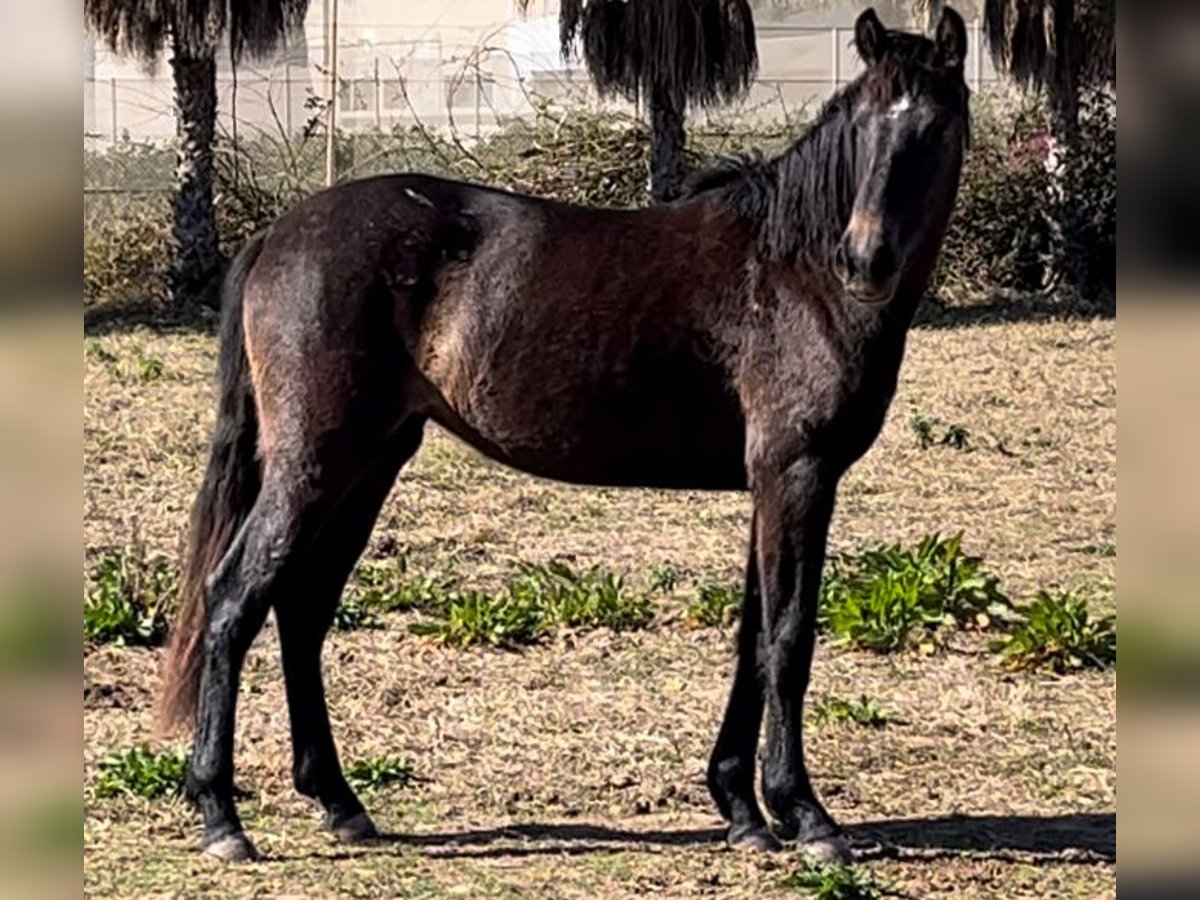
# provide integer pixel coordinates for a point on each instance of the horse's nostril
(883, 264)
(841, 262)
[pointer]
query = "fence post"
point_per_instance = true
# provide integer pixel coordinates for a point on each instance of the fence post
(478, 91)
(331, 121)
(378, 100)
(112, 100)
(835, 72)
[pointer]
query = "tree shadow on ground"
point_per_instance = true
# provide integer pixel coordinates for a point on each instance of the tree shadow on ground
(935, 313)
(1086, 838)
(120, 317)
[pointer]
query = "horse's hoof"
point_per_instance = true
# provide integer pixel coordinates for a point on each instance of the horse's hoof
(757, 838)
(355, 830)
(827, 851)
(232, 848)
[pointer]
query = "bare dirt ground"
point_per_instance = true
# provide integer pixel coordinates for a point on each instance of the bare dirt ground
(576, 768)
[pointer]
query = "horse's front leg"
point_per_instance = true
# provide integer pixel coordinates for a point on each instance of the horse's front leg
(794, 503)
(731, 766)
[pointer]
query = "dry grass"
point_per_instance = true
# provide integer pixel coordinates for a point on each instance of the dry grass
(576, 768)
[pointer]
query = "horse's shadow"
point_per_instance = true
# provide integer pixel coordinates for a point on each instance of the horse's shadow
(1086, 838)
(1082, 837)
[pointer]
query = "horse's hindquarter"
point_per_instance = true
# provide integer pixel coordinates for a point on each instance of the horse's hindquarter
(579, 344)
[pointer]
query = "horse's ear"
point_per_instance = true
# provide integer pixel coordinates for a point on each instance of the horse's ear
(870, 37)
(951, 39)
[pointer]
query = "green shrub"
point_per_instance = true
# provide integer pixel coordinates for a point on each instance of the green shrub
(473, 617)
(593, 598)
(538, 599)
(922, 428)
(998, 237)
(127, 252)
(957, 437)
(880, 614)
(598, 158)
(130, 597)
(876, 600)
(925, 431)
(385, 586)
(586, 156)
(1001, 235)
(388, 587)
(714, 605)
(1056, 633)
(863, 711)
(379, 772)
(142, 772)
(834, 881)
(353, 614)
(664, 578)
(93, 348)
(147, 367)
(128, 166)
(1096, 192)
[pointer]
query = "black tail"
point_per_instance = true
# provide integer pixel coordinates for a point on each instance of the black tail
(230, 487)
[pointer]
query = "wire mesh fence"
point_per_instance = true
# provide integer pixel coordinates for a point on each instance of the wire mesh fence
(388, 87)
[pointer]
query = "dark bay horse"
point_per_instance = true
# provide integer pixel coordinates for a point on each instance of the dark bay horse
(748, 336)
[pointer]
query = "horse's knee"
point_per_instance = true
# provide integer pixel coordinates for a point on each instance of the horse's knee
(785, 667)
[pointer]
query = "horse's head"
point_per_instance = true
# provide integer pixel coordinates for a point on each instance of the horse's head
(911, 123)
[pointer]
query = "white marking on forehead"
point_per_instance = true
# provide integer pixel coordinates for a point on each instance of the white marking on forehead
(901, 106)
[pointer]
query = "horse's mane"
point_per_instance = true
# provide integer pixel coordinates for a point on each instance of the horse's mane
(801, 199)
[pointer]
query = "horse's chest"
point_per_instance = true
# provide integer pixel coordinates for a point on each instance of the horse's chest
(830, 401)
(859, 417)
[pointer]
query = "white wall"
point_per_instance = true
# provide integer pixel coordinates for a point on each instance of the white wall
(470, 61)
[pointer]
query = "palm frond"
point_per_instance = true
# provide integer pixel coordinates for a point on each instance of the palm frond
(1060, 43)
(701, 50)
(141, 27)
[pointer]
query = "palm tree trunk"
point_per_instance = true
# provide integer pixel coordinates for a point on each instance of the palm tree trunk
(666, 145)
(1071, 263)
(194, 226)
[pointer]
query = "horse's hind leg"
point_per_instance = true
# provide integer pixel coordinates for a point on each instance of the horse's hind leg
(286, 513)
(332, 394)
(731, 766)
(304, 619)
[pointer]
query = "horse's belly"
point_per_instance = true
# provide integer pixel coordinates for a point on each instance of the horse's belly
(625, 444)
(615, 396)
(659, 466)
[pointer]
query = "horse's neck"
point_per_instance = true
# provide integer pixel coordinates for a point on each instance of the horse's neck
(817, 190)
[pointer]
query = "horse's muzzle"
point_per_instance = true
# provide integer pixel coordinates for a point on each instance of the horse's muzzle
(868, 277)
